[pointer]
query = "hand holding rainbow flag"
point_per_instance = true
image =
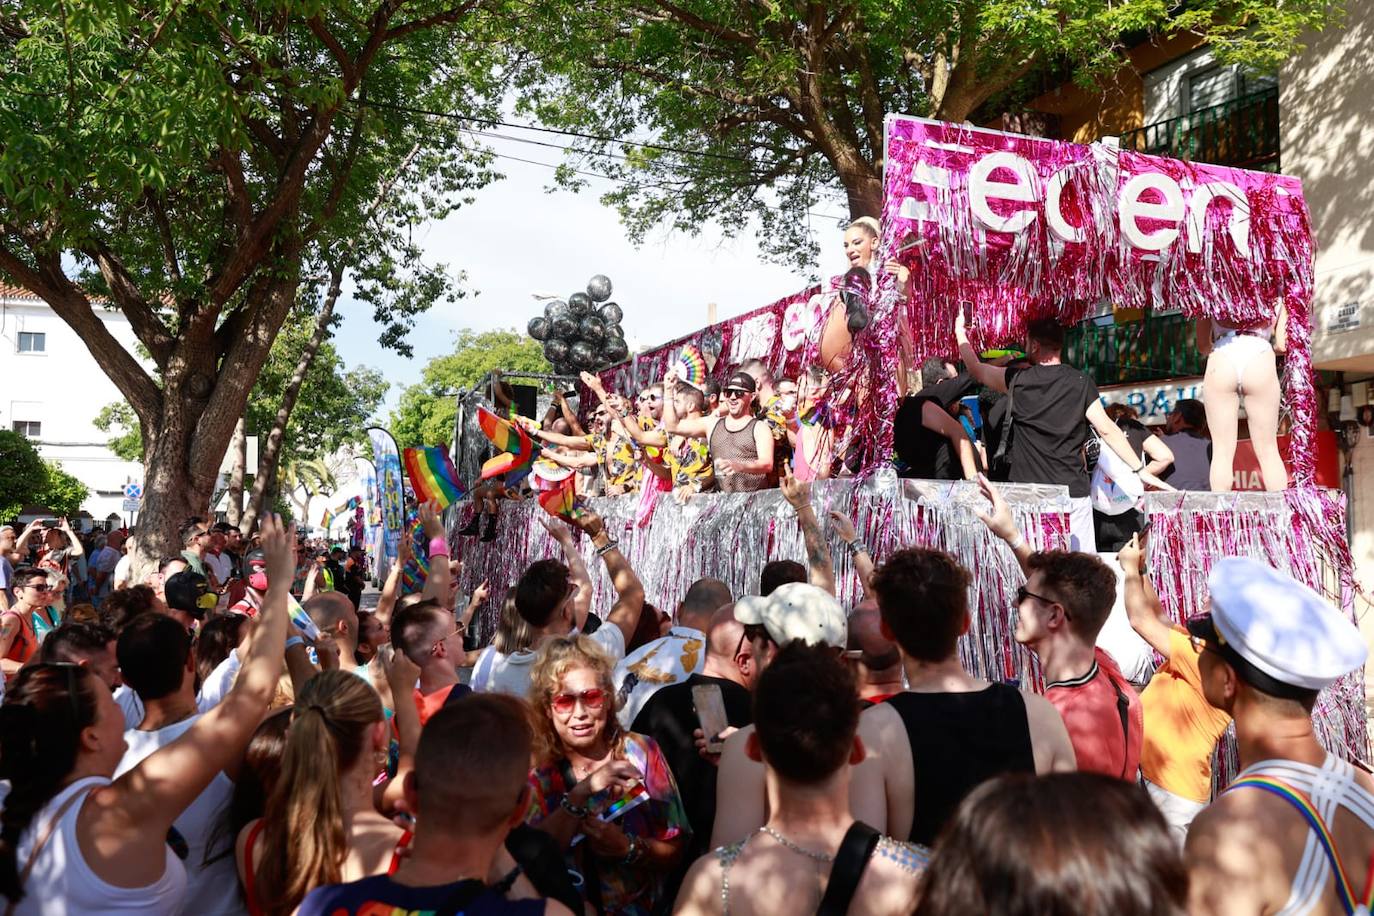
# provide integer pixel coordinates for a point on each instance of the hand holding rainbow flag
(433, 475)
(517, 449)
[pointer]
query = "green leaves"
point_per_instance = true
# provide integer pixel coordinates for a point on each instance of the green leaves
(23, 475)
(62, 493)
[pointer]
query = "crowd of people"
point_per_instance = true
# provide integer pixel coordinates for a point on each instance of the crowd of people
(171, 751)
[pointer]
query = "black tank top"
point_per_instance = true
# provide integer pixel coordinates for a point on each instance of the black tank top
(958, 740)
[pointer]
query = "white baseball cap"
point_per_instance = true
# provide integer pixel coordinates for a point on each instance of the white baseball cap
(797, 610)
(1278, 626)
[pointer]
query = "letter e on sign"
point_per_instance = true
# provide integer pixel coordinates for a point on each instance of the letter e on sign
(982, 187)
(1133, 209)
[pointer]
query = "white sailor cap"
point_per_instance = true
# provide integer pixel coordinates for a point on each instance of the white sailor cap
(1285, 635)
(797, 611)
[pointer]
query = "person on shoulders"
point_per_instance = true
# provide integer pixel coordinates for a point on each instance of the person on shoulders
(811, 855)
(1268, 843)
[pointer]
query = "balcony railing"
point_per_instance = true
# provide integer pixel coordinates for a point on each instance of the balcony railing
(1243, 133)
(1157, 347)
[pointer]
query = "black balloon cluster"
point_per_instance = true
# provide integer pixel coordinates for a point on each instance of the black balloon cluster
(583, 332)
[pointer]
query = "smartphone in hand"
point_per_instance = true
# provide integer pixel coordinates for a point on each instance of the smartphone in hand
(710, 707)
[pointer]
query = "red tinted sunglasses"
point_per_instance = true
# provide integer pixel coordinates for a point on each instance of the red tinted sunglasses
(592, 700)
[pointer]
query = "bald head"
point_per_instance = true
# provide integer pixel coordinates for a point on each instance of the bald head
(333, 613)
(865, 636)
(723, 633)
(700, 603)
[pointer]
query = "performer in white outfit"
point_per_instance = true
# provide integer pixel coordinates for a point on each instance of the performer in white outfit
(1294, 833)
(1241, 364)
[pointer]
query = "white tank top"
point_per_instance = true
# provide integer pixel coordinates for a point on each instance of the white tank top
(1328, 787)
(61, 882)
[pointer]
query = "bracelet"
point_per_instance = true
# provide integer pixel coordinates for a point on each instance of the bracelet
(1017, 543)
(1142, 466)
(293, 641)
(857, 546)
(803, 506)
(577, 811)
(612, 544)
(438, 547)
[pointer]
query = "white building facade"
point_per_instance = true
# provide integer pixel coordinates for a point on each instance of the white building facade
(53, 388)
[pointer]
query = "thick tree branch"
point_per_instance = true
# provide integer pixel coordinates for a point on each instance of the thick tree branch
(164, 234)
(447, 17)
(692, 20)
(72, 306)
(149, 328)
(320, 30)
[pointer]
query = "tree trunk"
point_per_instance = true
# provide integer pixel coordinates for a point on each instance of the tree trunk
(271, 446)
(239, 446)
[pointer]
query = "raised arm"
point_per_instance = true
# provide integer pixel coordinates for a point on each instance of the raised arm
(74, 548)
(440, 578)
(568, 415)
(1000, 522)
(994, 377)
(544, 435)
(863, 559)
(819, 564)
(578, 461)
(630, 604)
(619, 420)
(391, 589)
(401, 675)
(21, 545)
(1143, 609)
(692, 427)
(150, 796)
(479, 598)
(577, 569)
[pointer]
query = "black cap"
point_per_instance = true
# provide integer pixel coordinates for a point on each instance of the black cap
(741, 380)
(183, 592)
(255, 557)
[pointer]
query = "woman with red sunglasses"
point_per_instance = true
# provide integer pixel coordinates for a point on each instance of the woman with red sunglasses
(606, 795)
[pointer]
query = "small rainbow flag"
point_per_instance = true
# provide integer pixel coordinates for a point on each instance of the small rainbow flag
(433, 476)
(415, 573)
(302, 620)
(516, 448)
(328, 519)
(561, 500)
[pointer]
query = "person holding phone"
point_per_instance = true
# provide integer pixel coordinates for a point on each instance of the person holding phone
(605, 795)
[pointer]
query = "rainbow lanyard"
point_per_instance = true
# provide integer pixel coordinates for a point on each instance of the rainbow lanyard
(1315, 821)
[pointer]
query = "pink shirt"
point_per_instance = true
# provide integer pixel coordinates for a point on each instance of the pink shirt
(1103, 714)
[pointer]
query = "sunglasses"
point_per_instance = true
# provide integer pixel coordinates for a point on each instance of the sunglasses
(39, 586)
(649, 397)
(1022, 593)
(591, 700)
(735, 393)
(458, 627)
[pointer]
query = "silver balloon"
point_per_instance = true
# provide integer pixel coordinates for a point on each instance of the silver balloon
(555, 350)
(611, 313)
(556, 309)
(538, 327)
(593, 329)
(615, 330)
(582, 355)
(579, 304)
(615, 349)
(599, 288)
(564, 326)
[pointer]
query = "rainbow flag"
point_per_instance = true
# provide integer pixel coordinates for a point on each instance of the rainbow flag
(302, 620)
(517, 449)
(328, 519)
(416, 572)
(432, 474)
(561, 500)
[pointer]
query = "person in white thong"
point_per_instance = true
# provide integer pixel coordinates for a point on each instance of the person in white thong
(1295, 832)
(1241, 365)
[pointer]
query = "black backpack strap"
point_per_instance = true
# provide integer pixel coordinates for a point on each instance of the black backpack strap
(461, 898)
(456, 693)
(851, 860)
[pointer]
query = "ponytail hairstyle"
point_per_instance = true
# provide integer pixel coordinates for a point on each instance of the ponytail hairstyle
(304, 843)
(45, 711)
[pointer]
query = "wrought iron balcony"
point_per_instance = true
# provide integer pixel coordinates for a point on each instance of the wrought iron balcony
(1243, 133)
(1157, 347)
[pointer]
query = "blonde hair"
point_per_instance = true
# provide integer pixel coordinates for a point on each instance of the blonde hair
(556, 658)
(513, 632)
(303, 839)
(868, 224)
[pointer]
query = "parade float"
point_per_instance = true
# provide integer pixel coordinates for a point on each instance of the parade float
(1017, 227)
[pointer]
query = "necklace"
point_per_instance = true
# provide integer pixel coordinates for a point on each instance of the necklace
(820, 857)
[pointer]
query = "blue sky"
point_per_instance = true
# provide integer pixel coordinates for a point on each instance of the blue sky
(516, 238)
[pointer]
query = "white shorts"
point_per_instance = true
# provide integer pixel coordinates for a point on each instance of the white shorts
(1178, 811)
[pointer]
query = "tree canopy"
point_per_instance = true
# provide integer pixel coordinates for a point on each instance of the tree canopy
(23, 475)
(62, 493)
(719, 110)
(426, 411)
(194, 164)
